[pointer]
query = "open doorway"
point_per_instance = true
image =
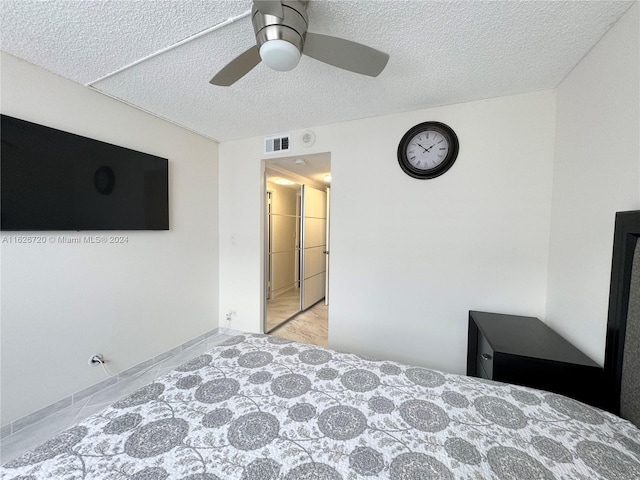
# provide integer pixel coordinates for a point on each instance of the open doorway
(296, 239)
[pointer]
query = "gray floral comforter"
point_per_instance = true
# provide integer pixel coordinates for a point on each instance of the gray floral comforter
(263, 408)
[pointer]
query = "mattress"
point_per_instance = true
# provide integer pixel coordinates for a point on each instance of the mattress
(258, 407)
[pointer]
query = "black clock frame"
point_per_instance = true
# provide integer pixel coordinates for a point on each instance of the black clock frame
(452, 155)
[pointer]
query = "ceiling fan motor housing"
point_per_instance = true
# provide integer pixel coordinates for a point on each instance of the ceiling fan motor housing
(292, 28)
(282, 38)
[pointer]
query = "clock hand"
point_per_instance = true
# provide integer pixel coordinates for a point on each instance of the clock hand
(429, 147)
(423, 147)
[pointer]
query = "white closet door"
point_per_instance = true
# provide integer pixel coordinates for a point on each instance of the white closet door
(314, 245)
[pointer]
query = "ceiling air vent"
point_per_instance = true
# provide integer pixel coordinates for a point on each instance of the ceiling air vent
(276, 144)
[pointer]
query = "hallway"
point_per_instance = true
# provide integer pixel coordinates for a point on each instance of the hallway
(310, 326)
(282, 307)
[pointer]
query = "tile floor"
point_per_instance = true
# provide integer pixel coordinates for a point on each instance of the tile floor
(33, 435)
(282, 307)
(311, 326)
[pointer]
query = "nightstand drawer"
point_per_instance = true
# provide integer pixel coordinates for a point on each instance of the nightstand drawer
(485, 356)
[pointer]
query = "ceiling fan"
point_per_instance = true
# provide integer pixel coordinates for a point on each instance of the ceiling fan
(282, 37)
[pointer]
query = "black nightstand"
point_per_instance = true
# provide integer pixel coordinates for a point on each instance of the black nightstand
(525, 351)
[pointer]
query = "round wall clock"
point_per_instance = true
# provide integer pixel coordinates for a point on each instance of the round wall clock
(428, 150)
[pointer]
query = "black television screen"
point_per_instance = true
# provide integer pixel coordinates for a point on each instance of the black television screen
(54, 180)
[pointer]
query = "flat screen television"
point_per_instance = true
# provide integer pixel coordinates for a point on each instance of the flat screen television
(54, 180)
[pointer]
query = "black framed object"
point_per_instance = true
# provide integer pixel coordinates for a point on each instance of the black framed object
(428, 150)
(526, 351)
(59, 181)
(625, 240)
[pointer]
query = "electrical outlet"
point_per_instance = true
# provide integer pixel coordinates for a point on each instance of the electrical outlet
(96, 359)
(230, 315)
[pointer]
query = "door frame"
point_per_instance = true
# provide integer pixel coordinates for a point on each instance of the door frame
(264, 241)
(327, 243)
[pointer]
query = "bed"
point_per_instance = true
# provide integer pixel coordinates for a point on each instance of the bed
(261, 407)
(258, 407)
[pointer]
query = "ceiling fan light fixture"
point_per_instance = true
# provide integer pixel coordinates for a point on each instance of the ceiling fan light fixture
(280, 55)
(282, 37)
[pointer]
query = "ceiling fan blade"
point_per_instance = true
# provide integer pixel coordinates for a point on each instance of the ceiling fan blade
(237, 68)
(269, 7)
(345, 54)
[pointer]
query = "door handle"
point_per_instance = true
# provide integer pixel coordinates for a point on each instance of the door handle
(486, 356)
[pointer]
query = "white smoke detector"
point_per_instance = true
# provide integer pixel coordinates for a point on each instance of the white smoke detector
(307, 138)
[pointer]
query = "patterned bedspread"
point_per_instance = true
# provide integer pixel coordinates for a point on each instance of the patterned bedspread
(263, 408)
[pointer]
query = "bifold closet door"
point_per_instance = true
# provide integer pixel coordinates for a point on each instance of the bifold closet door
(314, 228)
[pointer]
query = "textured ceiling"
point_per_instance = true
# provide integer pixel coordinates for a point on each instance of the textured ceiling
(441, 53)
(84, 40)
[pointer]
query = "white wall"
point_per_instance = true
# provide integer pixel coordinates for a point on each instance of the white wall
(596, 173)
(411, 257)
(129, 302)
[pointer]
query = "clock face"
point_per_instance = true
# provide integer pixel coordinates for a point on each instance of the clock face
(428, 150)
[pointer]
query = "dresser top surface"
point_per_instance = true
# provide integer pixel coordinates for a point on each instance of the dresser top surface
(528, 337)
